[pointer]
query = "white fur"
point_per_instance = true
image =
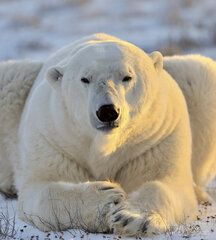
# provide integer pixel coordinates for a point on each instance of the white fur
(16, 80)
(66, 162)
(196, 76)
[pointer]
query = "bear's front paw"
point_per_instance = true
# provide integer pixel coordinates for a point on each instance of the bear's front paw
(9, 192)
(126, 223)
(107, 193)
(100, 198)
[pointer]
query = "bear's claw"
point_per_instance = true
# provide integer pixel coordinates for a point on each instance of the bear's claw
(127, 223)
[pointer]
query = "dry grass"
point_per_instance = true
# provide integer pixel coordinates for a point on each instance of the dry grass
(20, 21)
(188, 3)
(177, 47)
(171, 49)
(7, 225)
(213, 34)
(75, 220)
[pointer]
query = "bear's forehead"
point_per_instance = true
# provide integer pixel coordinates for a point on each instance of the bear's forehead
(95, 57)
(99, 68)
(108, 51)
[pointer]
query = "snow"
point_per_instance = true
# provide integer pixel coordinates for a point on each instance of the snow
(34, 29)
(203, 228)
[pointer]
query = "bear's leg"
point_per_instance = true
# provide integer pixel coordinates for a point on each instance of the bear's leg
(61, 205)
(154, 208)
(201, 194)
(55, 193)
(6, 175)
(204, 170)
(203, 154)
(161, 200)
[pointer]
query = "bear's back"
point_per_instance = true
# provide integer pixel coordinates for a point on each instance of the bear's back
(16, 80)
(196, 76)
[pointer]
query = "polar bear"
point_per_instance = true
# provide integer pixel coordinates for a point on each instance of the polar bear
(105, 141)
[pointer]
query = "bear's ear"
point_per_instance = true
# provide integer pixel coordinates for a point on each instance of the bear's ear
(54, 76)
(157, 60)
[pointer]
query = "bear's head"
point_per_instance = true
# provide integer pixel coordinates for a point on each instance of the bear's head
(107, 86)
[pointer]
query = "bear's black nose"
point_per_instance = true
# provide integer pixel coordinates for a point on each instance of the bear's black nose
(108, 113)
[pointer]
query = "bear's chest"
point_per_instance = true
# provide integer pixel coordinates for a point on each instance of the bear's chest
(108, 167)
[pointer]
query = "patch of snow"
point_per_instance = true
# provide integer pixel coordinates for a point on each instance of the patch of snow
(203, 228)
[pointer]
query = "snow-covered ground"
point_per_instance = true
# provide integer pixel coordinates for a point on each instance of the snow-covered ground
(35, 28)
(204, 228)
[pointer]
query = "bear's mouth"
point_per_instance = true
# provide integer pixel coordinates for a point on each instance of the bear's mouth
(108, 126)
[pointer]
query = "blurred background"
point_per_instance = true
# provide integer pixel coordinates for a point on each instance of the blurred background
(35, 28)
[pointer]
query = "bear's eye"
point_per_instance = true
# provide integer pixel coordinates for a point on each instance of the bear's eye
(126, 79)
(85, 80)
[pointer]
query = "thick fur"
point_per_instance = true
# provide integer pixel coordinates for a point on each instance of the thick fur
(196, 76)
(136, 178)
(16, 80)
